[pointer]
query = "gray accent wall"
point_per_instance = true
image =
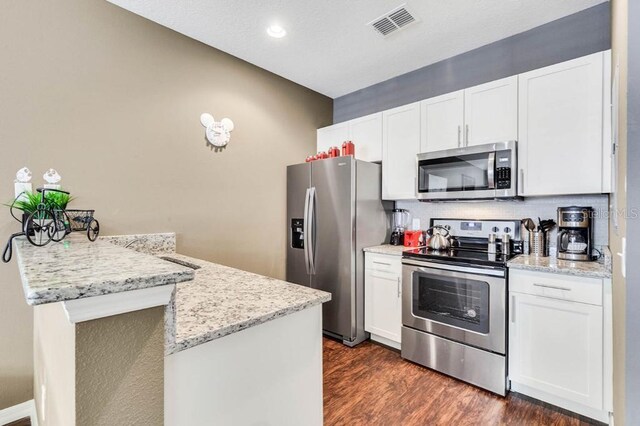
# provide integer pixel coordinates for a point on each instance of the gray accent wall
(576, 35)
(632, 322)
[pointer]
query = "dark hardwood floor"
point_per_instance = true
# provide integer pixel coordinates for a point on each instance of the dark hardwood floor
(372, 385)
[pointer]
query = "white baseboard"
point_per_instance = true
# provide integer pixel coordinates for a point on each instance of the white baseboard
(387, 342)
(20, 411)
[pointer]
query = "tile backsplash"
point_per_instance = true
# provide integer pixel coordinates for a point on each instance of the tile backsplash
(543, 207)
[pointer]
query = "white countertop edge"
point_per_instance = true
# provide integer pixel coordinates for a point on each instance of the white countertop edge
(86, 309)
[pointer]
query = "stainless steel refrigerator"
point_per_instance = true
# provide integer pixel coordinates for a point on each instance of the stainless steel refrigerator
(334, 210)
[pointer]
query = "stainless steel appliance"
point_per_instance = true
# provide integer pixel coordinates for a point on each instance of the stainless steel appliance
(472, 172)
(454, 303)
(575, 233)
(334, 210)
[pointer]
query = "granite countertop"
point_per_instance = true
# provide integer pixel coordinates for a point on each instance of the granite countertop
(223, 300)
(551, 264)
(388, 249)
(77, 268)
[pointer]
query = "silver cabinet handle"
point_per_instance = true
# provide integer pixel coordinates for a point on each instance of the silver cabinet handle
(459, 133)
(466, 135)
(513, 309)
(521, 182)
(381, 263)
(398, 287)
(555, 287)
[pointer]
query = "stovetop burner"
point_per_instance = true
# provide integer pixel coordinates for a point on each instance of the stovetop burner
(470, 242)
(459, 255)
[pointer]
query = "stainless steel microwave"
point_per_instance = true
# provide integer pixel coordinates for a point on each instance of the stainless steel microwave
(469, 173)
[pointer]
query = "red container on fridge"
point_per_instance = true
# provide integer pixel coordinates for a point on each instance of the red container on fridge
(309, 159)
(348, 148)
(322, 155)
(413, 238)
(334, 151)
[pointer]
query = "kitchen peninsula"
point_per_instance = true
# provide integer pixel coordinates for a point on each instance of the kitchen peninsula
(108, 320)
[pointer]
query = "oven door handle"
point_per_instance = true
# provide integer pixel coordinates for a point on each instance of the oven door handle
(433, 267)
(491, 171)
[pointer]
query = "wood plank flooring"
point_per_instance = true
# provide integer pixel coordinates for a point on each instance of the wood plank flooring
(372, 385)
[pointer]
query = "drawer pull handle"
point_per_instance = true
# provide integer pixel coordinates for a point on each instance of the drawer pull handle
(388, 277)
(381, 263)
(399, 294)
(555, 287)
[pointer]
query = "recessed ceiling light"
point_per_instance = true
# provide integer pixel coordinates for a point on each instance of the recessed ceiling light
(276, 31)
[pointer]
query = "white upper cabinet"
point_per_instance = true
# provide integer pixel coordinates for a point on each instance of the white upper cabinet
(400, 145)
(561, 112)
(442, 120)
(366, 133)
(332, 136)
(491, 112)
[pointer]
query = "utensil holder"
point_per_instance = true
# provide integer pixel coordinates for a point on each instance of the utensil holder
(538, 243)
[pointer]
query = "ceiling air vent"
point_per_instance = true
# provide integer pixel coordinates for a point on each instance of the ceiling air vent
(392, 21)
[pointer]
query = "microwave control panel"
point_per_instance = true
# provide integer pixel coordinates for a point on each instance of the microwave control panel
(503, 169)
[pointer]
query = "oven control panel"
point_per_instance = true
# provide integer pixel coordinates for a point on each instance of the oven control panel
(480, 228)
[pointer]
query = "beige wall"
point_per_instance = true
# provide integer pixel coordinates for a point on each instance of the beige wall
(112, 101)
(619, 57)
(108, 371)
(120, 370)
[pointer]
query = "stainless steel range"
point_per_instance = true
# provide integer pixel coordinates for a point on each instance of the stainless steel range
(454, 306)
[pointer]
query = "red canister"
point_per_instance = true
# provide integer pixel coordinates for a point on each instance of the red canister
(334, 151)
(322, 155)
(309, 159)
(348, 148)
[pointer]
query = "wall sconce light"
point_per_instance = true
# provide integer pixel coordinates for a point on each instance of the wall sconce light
(217, 133)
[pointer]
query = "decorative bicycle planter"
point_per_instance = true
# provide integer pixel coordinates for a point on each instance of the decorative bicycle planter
(51, 222)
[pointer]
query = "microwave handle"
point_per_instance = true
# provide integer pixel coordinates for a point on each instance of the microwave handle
(491, 171)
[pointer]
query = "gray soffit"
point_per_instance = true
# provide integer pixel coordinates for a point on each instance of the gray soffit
(576, 35)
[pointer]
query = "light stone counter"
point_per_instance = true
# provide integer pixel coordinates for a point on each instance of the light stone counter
(551, 264)
(388, 249)
(78, 268)
(223, 300)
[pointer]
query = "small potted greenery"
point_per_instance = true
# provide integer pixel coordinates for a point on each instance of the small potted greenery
(29, 201)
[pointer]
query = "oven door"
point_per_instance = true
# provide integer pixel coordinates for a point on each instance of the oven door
(476, 172)
(464, 304)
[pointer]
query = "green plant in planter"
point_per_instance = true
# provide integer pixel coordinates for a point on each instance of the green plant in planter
(31, 200)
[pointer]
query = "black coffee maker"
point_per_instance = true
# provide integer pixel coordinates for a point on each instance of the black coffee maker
(575, 233)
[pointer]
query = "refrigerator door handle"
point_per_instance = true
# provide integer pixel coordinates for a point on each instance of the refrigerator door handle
(312, 237)
(306, 230)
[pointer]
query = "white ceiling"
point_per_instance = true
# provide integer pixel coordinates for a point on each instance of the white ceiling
(329, 48)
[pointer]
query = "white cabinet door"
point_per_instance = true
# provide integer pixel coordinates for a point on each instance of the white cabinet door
(441, 122)
(366, 133)
(383, 298)
(560, 128)
(556, 347)
(491, 112)
(332, 136)
(400, 144)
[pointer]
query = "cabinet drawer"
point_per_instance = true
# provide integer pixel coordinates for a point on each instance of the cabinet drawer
(557, 286)
(383, 263)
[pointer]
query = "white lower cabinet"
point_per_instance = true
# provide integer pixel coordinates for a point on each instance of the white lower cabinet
(383, 298)
(557, 341)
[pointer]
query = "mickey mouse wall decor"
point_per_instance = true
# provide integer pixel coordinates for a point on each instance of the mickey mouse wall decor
(217, 133)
